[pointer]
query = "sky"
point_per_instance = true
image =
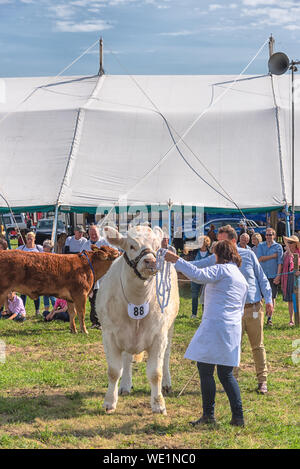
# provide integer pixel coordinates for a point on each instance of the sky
(164, 37)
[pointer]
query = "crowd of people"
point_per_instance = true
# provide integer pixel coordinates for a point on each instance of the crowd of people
(232, 276)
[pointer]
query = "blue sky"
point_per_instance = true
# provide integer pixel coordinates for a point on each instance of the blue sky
(41, 37)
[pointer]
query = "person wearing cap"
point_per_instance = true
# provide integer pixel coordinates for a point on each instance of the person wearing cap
(270, 256)
(287, 279)
(74, 243)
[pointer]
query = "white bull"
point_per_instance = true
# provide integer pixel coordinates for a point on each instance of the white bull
(127, 291)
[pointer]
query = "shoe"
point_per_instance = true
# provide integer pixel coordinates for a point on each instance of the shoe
(291, 323)
(269, 322)
(37, 313)
(193, 316)
(262, 388)
(237, 422)
(204, 421)
(96, 326)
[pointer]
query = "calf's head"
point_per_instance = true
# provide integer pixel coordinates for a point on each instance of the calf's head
(140, 246)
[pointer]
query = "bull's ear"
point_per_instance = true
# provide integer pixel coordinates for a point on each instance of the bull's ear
(114, 237)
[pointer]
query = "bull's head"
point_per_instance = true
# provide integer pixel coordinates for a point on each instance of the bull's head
(140, 246)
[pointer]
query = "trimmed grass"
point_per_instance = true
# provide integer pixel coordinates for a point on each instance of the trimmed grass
(52, 387)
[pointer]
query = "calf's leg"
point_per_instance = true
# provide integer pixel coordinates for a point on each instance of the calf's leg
(154, 374)
(80, 308)
(114, 362)
(72, 314)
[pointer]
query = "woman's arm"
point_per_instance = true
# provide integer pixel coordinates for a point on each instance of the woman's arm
(205, 275)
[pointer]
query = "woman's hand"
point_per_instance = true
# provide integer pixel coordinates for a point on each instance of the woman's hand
(171, 257)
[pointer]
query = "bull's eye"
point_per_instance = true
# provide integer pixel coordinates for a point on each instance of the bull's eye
(132, 247)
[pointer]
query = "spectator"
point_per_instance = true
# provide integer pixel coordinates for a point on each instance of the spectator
(253, 318)
(15, 309)
(165, 243)
(218, 339)
(196, 288)
(256, 239)
(30, 246)
(48, 247)
(94, 239)
(270, 255)
(3, 247)
(211, 233)
(59, 312)
(281, 230)
(244, 240)
(3, 244)
(287, 279)
(74, 243)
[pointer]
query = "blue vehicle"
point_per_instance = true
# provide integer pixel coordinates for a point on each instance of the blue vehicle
(191, 233)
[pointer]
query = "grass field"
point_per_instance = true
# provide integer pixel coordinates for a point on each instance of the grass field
(52, 386)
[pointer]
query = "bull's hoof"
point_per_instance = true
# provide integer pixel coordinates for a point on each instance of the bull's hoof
(158, 405)
(166, 390)
(84, 332)
(109, 409)
(159, 411)
(124, 392)
(73, 331)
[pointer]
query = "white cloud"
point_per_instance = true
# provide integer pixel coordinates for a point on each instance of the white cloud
(215, 6)
(178, 33)
(62, 11)
(82, 27)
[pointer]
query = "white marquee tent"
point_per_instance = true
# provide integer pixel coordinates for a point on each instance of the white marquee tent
(83, 142)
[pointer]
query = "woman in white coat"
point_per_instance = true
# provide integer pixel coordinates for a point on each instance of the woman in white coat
(218, 339)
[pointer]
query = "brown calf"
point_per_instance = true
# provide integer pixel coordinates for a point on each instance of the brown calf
(64, 276)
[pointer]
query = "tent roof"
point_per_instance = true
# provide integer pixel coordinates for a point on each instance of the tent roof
(84, 142)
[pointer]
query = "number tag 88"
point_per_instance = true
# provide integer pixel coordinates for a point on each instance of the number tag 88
(138, 311)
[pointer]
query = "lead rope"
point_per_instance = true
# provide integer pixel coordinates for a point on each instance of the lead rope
(163, 279)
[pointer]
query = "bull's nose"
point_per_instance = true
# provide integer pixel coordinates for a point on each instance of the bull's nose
(149, 263)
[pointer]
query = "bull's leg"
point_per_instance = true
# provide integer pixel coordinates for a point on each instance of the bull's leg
(80, 308)
(72, 314)
(166, 381)
(126, 381)
(154, 374)
(114, 362)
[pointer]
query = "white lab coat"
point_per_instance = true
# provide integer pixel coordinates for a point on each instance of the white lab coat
(218, 338)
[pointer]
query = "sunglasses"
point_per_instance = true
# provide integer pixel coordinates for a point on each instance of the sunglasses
(269, 234)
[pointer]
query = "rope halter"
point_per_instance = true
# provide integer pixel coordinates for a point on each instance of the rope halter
(134, 262)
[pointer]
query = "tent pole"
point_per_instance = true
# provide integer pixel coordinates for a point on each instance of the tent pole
(170, 203)
(54, 229)
(287, 217)
(101, 70)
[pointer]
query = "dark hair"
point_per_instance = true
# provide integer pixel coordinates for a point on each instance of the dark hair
(231, 233)
(227, 252)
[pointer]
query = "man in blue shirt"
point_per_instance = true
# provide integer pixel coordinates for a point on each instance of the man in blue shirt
(253, 318)
(270, 256)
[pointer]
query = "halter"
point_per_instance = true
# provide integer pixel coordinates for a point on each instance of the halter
(134, 262)
(83, 253)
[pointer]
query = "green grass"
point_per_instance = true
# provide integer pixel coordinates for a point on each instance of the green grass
(52, 387)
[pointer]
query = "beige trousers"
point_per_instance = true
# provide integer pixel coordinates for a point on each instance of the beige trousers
(253, 325)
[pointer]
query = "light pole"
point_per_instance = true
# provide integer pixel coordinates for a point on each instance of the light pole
(278, 64)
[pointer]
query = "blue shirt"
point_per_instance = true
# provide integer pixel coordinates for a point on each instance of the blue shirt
(270, 267)
(258, 284)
